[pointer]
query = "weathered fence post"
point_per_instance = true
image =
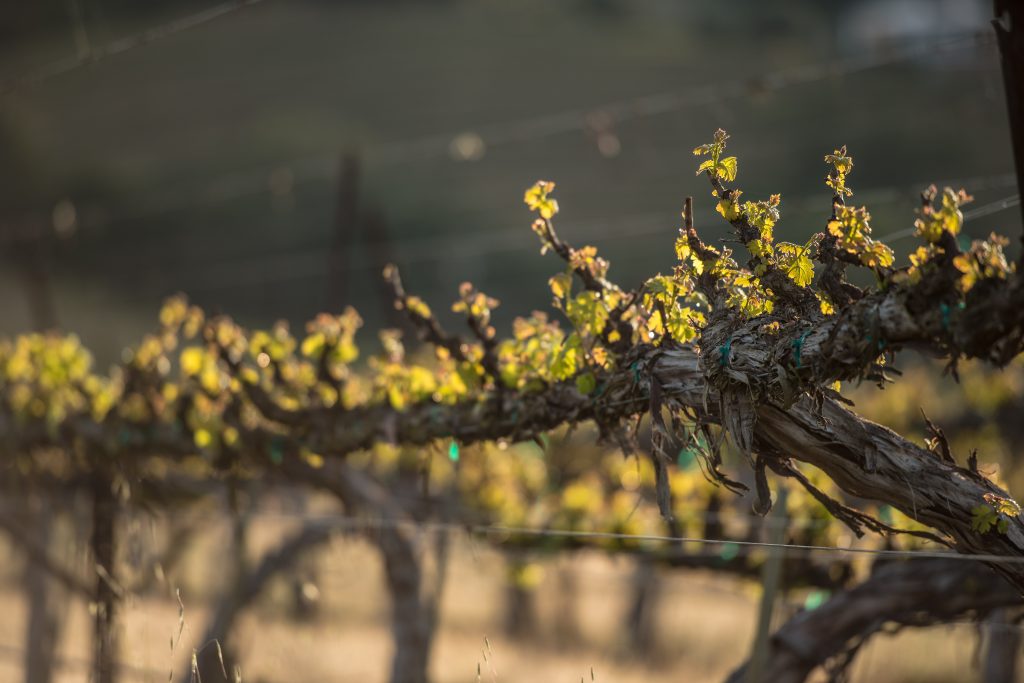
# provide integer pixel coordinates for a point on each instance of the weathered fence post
(520, 598)
(47, 597)
(346, 214)
(1002, 646)
(642, 617)
(771, 578)
(104, 551)
(1009, 28)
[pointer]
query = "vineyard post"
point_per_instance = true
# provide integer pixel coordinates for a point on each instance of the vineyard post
(566, 621)
(771, 578)
(382, 252)
(36, 278)
(520, 610)
(1009, 28)
(104, 552)
(415, 592)
(345, 216)
(46, 597)
(213, 659)
(1002, 639)
(641, 617)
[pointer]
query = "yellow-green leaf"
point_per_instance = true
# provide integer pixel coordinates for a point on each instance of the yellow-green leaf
(586, 383)
(560, 285)
(192, 360)
(726, 169)
(313, 345)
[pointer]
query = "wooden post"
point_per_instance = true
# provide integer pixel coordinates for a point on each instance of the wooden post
(345, 217)
(1009, 28)
(378, 241)
(47, 599)
(411, 627)
(520, 599)
(82, 44)
(641, 619)
(35, 273)
(1002, 643)
(771, 578)
(104, 552)
(566, 621)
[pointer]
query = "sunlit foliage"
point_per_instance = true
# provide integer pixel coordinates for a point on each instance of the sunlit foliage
(206, 387)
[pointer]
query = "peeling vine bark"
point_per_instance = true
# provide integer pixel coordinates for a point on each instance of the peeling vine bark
(864, 459)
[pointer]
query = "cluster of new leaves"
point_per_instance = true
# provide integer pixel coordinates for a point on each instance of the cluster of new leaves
(48, 377)
(851, 226)
(934, 220)
(985, 260)
(588, 310)
(939, 220)
(715, 165)
(996, 512)
(755, 222)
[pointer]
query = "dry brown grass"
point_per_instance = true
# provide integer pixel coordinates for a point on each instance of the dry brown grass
(705, 627)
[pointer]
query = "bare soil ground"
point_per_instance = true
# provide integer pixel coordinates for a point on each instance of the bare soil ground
(704, 627)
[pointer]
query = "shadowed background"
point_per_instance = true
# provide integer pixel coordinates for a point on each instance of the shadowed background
(209, 161)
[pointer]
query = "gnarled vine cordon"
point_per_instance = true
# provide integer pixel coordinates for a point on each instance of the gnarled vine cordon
(755, 348)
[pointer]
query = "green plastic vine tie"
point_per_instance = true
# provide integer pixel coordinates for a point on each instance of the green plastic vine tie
(453, 451)
(798, 345)
(636, 372)
(723, 353)
(816, 599)
(885, 513)
(879, 345)
(944, 309)
(277, 451)
(686, 458)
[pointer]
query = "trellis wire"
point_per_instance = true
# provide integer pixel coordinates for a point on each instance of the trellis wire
(121, 45)
(257, 271)
(364, 523)
(533, 128)
(983, 210)
(689, 516)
